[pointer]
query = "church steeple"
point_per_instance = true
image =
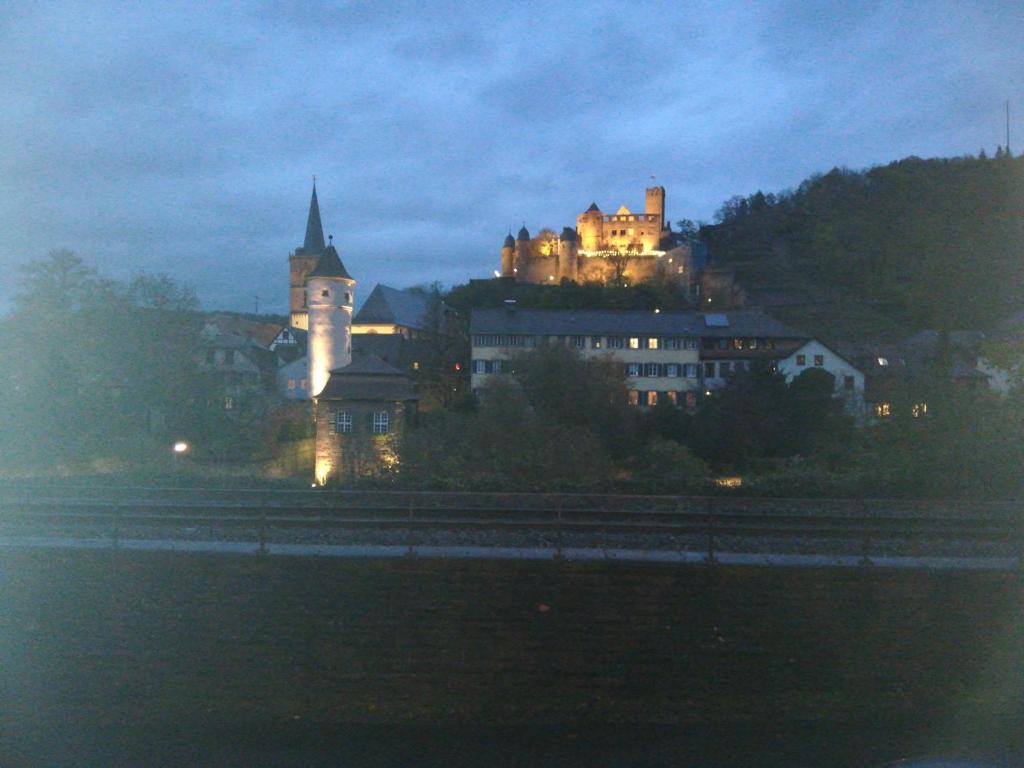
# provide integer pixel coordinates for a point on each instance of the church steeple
(314, 242)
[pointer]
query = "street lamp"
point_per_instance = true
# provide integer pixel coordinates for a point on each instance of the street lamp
(180, 448)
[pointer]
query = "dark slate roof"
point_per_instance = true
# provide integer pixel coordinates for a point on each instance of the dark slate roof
(368, 378)
(510, 241)
(314, 242)
(593, 208)
(330, 265)
(524, 233)
(392, 348)
(569, 234)
(562, 322)
(390, 305)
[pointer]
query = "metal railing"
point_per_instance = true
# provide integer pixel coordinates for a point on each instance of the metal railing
(262, 513)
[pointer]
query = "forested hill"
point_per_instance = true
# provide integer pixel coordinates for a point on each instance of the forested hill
(883, 252)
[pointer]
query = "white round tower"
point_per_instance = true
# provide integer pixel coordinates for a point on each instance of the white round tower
(330, 295)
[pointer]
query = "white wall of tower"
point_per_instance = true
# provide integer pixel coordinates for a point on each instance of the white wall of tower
(330, 301)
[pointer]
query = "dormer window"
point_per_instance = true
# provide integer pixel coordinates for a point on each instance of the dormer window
(325, 294)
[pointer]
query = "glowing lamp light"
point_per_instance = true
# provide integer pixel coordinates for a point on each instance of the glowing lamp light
(497, 273)
(180, 447)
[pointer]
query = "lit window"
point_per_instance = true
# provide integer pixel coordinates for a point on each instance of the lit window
(819, 360)
(652, 398)
(652, 343)
(633, 369)
(229, 403)
(634, 397)
(691, 399)
(801, 360)
(595, 342)
(883, 410)
(343, 422)
(673, 397)
(883, 361)
(651, 369)
(918, 410)
(634, 342)
(415, 366)
(737, 343)
(380, 422)
(752, 343)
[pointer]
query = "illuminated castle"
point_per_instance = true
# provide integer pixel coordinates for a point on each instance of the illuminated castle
(618, 248)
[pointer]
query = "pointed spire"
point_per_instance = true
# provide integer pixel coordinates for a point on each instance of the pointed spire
(314, 242)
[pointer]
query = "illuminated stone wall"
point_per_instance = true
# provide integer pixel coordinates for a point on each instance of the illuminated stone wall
(344, 457)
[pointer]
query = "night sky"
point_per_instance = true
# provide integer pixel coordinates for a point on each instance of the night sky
(182, 138)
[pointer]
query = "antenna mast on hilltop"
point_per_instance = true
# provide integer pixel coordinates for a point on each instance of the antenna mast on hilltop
(1007, 126)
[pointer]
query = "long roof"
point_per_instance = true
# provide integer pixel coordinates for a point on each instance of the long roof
(368, 378)
(572, 322)
(390, 305)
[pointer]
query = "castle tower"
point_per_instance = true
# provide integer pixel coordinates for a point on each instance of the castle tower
(567, 255)
(330, 295)
(590, 228)
(522, 257)
(302, 262)
(656, 205)
(508, 257)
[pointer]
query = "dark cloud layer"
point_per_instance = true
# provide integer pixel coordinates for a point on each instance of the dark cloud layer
(182, 137)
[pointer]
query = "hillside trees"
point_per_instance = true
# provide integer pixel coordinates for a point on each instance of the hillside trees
(935, 242)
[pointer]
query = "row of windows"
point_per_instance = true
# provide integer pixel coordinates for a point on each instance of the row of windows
(378, 421)
(917, 410)
(631, 217)
(670, 370)
(595, 342)
(739, 343)
(819, 360)
(652, 398)
(723, 369)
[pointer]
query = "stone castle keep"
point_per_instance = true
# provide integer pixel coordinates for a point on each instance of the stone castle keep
(622, 247)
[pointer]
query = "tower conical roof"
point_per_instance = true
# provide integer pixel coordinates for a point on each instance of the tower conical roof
(509, 241)
(314, 242)
(524, 233)
(330, 265)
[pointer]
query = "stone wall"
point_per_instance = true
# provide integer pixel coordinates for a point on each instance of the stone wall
(359, 454)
